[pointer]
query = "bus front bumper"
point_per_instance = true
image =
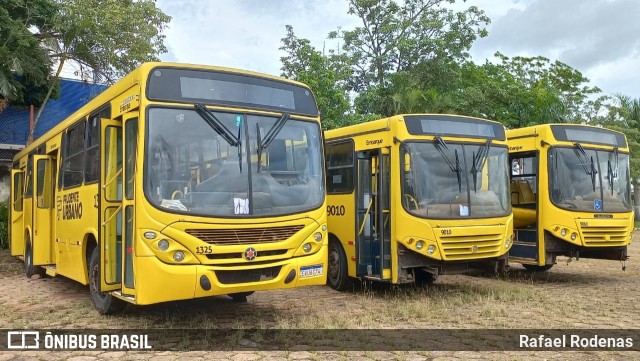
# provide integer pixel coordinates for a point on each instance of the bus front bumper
(160, 282)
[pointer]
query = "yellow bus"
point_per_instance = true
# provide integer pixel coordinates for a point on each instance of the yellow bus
(413, 196)
(179, 181)
(570, 193)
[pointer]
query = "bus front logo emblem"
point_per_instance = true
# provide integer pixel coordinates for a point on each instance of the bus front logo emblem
(474, 249)
(250, 254)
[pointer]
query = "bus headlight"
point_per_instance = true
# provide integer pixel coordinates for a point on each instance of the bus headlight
(163, 245)
(509, 240)
(178, 256)
(574, 236)
(317, 237)
(324, 227)
(431, 249)
(307, 247)
(150, 235)
(419, 245)
(563, 232)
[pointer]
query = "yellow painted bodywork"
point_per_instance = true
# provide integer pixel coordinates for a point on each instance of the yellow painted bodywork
(156, 276)
(593, 232)
(408, 229)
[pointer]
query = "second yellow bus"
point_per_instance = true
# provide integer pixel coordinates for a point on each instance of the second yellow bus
(414, 196)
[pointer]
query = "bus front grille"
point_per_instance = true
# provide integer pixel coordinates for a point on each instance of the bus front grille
(604, 236)
(246, 276)
(233, 236)
(471, 246)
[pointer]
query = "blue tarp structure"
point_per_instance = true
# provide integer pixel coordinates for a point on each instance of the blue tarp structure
(14, 122)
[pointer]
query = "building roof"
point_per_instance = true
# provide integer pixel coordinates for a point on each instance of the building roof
(14, 122)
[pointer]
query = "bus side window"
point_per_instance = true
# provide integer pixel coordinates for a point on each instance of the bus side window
(18, 188)
(524, 178)
(340, 170)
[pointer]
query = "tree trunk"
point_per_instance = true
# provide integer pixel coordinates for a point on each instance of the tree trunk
(46, 99)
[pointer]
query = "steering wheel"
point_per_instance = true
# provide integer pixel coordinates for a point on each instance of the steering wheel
(410, 199)
(177, 194)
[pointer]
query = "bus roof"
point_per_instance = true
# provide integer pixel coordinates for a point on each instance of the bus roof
(387, 123)
(125, 83)
(561, 132)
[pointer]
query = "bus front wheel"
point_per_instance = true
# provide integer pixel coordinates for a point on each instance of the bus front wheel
(338, 276)
(103, 302)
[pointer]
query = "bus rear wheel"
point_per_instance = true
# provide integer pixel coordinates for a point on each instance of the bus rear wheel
(103, 302)
(536, 268)
(338, 275)
(29, 268)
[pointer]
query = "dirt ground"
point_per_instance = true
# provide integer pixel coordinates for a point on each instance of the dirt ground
(584, 294)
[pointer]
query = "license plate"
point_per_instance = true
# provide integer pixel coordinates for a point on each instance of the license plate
(311, 271)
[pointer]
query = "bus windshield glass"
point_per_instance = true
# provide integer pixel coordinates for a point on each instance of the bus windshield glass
(191, 166)
(441, 181)
(589, 180)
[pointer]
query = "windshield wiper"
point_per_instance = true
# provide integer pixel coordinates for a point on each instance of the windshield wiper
(217, 125)
(591, 169)
(612, 172)
(478, 162)
(263, 143)
(441, 145)
(221, 129)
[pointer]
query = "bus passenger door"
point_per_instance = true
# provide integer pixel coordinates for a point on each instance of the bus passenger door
(373, 215)
(130, 121)
(111, 213)
(43, 211)
(16, 227)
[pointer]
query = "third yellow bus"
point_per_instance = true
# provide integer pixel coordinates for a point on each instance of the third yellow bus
(571, 194)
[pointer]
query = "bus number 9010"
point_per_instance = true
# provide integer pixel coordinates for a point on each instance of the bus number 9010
(335, 210)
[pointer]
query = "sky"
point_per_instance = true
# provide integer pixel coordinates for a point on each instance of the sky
(599, 38)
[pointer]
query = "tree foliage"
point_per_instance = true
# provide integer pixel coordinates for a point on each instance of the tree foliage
(106, 38)
(325, 75)
(24, 63)
(523, 91)
(397, 37)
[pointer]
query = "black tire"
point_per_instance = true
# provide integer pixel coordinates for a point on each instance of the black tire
(29, 268)
(338, 274)
(103, 302)
(423, 277)
(240, 297)
(536, 268)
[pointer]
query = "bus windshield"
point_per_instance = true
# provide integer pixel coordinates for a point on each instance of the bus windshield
(589, 180)
(441, 181)
(194, 167)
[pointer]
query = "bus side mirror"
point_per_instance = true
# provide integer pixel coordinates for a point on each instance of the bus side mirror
(407, 162)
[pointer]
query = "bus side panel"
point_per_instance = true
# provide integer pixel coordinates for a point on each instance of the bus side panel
(341, 222)
(77, 215)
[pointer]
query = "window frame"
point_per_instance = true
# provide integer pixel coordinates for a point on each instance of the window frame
(329, 167)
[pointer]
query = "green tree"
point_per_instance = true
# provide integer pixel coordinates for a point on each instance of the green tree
(623, 115)
(396, 37)
(523, 91)
(24, 63)
(106, 38)
(325, 75)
